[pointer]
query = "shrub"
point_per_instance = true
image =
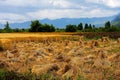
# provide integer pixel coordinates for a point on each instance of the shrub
(71, 28)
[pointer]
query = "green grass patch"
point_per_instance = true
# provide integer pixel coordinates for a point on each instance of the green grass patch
(115, 50)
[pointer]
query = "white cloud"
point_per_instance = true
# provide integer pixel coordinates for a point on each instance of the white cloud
(112, 3)
(54, 14)
(37, 3)
(62, 3)
(109, 3)
(53, 9)
(11, 17)
(22, 3)
(71, 13)
(59, 3)
(102, 13)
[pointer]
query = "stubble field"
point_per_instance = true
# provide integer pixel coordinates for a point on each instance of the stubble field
(59, 56)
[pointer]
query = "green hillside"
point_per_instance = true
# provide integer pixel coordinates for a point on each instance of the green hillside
(116, 21)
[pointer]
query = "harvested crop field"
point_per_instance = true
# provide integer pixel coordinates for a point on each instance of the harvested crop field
(62, 56)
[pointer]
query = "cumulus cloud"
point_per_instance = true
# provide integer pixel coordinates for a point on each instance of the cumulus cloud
(54, 14)
(112, 3)
(109, 3)
(38, 3)
(20, 2)
(62, 3)
(22, 10)
(11, 17)
(69, 13)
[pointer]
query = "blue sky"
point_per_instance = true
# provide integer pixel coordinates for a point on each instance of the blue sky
(26, 10)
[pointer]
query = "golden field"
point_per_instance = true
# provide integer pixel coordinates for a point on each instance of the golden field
(65, 55)
(24, 35)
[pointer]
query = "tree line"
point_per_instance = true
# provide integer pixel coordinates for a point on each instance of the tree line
(36, 26)
(92, 28)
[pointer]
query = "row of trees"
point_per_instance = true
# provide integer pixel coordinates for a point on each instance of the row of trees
(74, 28)
(36, 26)
(91, 28)
(7, 29)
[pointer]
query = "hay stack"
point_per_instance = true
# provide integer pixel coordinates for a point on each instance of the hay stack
(118, 40)
(102, 61)
(42, 69)
(114, 57)
(117, 73)
(95, 43)
(105, 39)
(9, 54)
(3, 64)
(64, 68)
(6, 44)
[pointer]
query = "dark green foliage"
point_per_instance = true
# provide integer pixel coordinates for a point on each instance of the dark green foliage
(20, 30)
(16, 30)
(93, 26)
(36, 26)
(90, 26)
(1, 30)
(52, 28)
(7, 28)
(86, 26)
(71, 28)
(10, 75)
(60, 30)
(47, 28)
(113, 29)
(117, 23)
(111, 78)
(80, 26)
(81, 78)
(107, 25)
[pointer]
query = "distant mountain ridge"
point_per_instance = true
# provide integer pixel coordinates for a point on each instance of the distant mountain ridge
(116, 21)
(62, 22)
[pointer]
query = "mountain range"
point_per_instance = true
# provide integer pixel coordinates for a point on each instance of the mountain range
(116, 20)
(62, 22)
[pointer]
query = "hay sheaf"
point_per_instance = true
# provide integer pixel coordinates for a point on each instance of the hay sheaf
(64, 58)
(114, 57)
(95, 43)
(118, 40)
(6, 44)
(43, 69)
(3, 64)
(105, 39)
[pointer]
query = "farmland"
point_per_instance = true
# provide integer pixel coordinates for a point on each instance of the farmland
(61, 56)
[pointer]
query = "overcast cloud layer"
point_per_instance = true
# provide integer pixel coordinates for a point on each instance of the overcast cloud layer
(23, 10)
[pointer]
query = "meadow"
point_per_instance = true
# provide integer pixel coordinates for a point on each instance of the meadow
(60, 56)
